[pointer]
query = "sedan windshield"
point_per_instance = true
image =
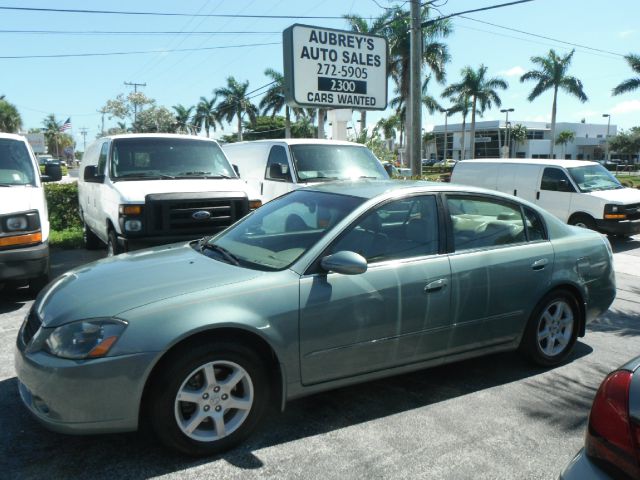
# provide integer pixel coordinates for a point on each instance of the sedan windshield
(281, 231)
(159, 158)
(16, 167)
(593, 178)
(335, 162)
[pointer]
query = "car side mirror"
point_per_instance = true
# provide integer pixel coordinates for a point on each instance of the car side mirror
(90, 174)
(53, 171)
(389, 169)
(345, 263)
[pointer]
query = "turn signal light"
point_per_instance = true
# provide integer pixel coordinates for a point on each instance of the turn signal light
(253, 204)
(131, 209)
(615, 216)
(27, 239)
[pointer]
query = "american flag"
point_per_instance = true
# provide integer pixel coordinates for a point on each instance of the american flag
(66, 125)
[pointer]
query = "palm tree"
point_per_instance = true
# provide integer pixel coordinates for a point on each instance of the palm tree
(205, 115)
(463, 106)
(10, 119)
(52, 131)
(389, 127)
(630, 84)
(235, 103)
(565, 137)
(273, 100)
(518, 134)
(480, 90)
(553, 75)
(183, 118)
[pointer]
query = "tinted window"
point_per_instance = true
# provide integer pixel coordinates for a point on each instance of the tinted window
(16, 167)
(102, 159)
(278, 165)
(555, 180)
(399, 229)
(482, 222)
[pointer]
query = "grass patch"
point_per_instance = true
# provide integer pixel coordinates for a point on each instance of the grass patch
(67, 239)
(629, 180)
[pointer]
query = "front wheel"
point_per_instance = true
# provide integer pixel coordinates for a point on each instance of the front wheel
(90, 239)
(113, 247)
(552, 329)
(583, 221)
(209, 399)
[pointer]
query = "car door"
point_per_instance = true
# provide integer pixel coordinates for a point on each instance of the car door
(395, 313)
(94, 190)
(278, 178)
(556, 191)
(501, 265)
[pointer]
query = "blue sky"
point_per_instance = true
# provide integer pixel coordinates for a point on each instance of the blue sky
(78, 87)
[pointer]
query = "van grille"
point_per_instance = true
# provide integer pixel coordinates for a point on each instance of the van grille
(632, 211)
(31, 326)
(184, 213)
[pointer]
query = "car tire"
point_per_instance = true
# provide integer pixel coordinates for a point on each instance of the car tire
(113, 247)
(583, 221)
(552, 329)
(209, 398)
(90, 239)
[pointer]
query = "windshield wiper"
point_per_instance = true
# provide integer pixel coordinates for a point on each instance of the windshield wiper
(226, 254)
(148, 176)
(319, 177)
(202, 174)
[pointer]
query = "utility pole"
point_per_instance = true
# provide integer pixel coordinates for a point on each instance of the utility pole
(607, 155)
(83, 132)
(414, 110)
(506, 152)
(135, 90)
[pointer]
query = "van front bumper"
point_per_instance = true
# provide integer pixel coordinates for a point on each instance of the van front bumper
(24, 263)
(619, 227)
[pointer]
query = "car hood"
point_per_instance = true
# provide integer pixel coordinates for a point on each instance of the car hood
(136, 190)
(622, 195)
(113, 285)
(19, 198)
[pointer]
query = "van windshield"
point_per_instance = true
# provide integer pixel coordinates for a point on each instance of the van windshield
(153, 158)
(16, 167)
(320, 162)
(593, 178)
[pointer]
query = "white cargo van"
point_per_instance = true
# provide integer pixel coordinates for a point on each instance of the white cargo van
(144, 189)
(578, 192)
(275, 167)
(24, 222)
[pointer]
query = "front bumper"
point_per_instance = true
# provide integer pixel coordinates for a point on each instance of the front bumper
(582, 468)
(82, 396)
(619, 227)
(24, 263)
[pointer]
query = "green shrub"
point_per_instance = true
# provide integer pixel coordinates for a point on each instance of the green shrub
(62, 200)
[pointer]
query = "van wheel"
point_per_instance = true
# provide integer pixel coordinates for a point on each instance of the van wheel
(583, 221)
(113, 248)
(90, 239)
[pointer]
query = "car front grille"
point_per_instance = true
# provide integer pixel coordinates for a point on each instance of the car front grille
(193, 213)
(31, 326)
(632, 211)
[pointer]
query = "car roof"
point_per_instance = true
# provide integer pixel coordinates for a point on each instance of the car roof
(298, 141)
(534, 161)
(13, 136)
(157, 135)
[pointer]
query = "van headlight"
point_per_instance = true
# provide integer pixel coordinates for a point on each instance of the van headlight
(614, 212)
(16, 223)
(85, 339)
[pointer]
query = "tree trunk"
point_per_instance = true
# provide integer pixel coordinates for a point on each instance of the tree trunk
(363, 120)
(553, 122)
(239, 126)
(473, 129)
(321, 123)
(287, 122)
(463, 149)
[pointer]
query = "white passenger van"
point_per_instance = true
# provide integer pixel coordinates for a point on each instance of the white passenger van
(24, 222)
(275, 167)
(578, 192)
(146, 189)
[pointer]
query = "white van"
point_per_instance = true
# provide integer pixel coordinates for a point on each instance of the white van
(24, 222)
(275, 167)
(146, 189)
(578, 192)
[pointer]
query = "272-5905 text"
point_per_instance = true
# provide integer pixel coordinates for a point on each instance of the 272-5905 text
(345, 71)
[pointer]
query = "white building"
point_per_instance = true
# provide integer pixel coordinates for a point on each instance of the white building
(493, 136)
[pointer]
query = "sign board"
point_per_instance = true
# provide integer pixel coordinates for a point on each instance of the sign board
(331, 68)
(483, 139)
(36, 140)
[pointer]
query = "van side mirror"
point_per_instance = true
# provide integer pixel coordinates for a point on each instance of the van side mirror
(388, 168)
(90, 174)
(52, 172)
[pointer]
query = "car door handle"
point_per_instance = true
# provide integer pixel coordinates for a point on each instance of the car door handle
(539, 264)
(435, 285)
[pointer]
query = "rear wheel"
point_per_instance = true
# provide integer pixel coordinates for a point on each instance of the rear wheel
(209, 398)
(552, 329)
(583, 221)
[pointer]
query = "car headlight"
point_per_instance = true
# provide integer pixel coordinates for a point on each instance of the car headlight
(85, 339)
(16, 223)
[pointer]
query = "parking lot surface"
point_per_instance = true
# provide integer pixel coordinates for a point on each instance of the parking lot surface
(493, 417)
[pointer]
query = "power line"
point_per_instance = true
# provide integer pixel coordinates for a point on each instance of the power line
(168, 14)
(61, 55)
(133, 32)
(491, 7)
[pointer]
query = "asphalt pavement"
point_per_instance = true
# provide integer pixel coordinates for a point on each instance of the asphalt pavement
(488, 418)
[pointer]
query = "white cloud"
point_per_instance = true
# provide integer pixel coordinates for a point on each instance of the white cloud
(513, 72)
(626, 33)
(627, 107)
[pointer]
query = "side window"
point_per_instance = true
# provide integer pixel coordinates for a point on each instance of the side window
(278, 165)
(102, 159)
(555, 180)
(484, 222)
(535, 226)
(399, 229)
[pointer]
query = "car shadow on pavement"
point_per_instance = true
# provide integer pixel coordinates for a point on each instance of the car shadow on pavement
(621, 245)
(14, 299)
(33, 452)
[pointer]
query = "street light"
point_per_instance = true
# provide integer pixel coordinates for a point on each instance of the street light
(506, 135)
(607, 156)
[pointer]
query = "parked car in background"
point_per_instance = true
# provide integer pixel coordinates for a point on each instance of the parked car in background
(428, 162)
(578, 192)
(612, 441)
(323, 287)
(445, 163)
(24, 221)
(144, 189)
(275, 167)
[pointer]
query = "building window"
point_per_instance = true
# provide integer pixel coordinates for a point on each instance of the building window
(535, 134)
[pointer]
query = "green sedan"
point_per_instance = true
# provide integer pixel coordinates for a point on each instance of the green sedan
(323, 287)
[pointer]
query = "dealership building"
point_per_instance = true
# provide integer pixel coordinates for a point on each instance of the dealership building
(493, 137)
